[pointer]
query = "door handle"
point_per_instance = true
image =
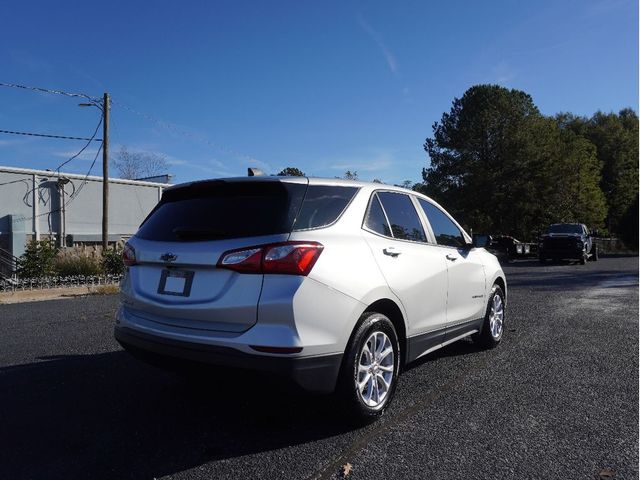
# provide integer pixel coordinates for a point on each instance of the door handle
(453, 258)
(391, 251)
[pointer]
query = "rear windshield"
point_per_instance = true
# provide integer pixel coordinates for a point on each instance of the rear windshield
(219, 209)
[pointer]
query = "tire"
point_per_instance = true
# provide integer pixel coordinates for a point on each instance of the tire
(493, 326)
(358, 366)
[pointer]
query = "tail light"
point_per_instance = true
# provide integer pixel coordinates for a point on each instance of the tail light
(128, 255)
(288, 258)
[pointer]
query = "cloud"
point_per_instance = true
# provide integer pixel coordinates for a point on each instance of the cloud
(387, 54)
(88, 154)
(375, 163)
(502, 73)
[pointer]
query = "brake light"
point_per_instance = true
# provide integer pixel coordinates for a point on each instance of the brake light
(288, 258)
(129, 255)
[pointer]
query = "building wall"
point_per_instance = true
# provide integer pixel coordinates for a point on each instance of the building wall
(31, 206)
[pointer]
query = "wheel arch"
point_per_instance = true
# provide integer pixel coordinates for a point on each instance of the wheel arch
(502, 284)
(391, 310)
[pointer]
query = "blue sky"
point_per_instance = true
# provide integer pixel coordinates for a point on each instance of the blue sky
(324, 86)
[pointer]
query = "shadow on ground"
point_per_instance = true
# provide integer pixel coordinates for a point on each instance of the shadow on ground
(107, 416)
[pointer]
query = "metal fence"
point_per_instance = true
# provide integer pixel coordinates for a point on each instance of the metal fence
(611, 246)
(17, 284)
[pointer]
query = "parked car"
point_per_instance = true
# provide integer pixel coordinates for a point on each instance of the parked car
(508, 248)
(335, 284)
(567, 241)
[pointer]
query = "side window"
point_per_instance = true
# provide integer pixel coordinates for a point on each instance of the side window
(446, 232)
(322, 205)
(375, 219)
(404, 220)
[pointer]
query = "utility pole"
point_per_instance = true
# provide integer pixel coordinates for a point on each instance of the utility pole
(105, 172)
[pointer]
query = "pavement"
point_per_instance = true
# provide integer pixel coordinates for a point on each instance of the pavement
(558, 399)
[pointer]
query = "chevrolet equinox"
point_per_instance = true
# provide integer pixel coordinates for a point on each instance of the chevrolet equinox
(335, 284)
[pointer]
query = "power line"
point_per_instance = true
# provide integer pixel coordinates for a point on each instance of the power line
(84, 180)
(83, 148)
(49, 136)
(14, 181)
(48, 90)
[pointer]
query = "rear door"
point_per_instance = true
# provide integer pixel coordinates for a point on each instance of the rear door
(175, 280)
(466, 277)
(414, 270)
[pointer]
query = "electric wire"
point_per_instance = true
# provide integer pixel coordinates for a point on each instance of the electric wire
(63, 137)
(48, 90)
(83, 148)
(84, 181)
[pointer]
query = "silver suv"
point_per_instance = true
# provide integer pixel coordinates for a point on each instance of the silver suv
(335, 284)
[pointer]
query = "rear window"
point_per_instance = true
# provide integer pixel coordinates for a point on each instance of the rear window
(376, 220)
(322, 205)
(219, 209)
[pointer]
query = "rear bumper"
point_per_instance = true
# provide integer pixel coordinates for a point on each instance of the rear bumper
(317, 374)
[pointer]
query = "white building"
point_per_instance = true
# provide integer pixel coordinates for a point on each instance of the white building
(38, 204)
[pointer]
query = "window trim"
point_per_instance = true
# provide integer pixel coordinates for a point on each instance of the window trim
(392, 237)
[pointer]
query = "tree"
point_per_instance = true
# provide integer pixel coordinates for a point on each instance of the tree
(136, 165)
(291, 172)
(615, 137)
(349, 175)
(406, 184)
(501, 167)
(38, 259)
(629, 226)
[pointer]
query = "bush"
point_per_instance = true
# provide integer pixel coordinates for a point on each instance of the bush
(112, 262)
(38, 260)
(69, 266)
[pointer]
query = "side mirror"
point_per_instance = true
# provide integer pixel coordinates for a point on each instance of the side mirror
(481, 240)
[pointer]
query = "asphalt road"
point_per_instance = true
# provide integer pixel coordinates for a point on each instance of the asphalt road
(557, 399)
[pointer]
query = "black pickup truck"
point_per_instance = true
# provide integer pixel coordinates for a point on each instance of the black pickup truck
(567, 241)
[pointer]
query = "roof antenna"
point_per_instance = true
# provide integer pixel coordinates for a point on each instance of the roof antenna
(255, 172)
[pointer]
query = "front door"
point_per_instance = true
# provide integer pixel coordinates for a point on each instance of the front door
(466, 277)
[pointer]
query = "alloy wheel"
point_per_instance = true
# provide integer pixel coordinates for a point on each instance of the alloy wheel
(375, 374)
(496, 317)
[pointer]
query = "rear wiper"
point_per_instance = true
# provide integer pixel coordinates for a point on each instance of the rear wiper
(186, 232)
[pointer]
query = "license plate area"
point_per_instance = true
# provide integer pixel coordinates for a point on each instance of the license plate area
(175, 282)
